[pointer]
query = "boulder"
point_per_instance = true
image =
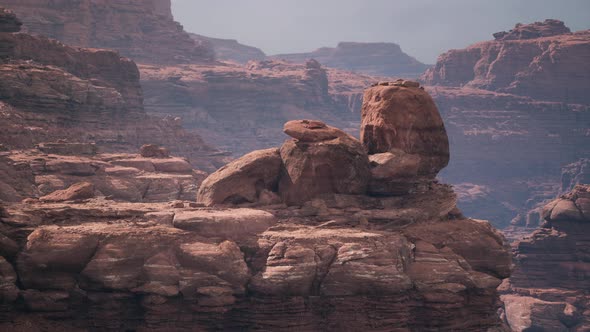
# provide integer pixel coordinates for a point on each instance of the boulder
(338, 166)
(242, 180)
(76, 192)
(404, 117)
(311, 131)
(153, 151)
(393, 173)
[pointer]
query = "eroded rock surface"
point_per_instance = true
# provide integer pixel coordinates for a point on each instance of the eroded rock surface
(400, 115)
(548, 289)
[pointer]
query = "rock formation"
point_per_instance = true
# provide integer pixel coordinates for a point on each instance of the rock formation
(331, 258)
(378, 59)
(141, 30)
(401, 116)
(230, 49)
(81, 96)
(539, 60)
(508, 104)
(549, 287)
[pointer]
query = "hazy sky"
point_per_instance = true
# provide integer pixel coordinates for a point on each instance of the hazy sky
(423, 28)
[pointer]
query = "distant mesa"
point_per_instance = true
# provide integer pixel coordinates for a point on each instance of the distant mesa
(379, 59)
(230, 49)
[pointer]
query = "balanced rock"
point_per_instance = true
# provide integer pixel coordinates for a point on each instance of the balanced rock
(242, 180)
(76, 192)
(339, 165)
(153, 151)
(311, 131)
(404, 117)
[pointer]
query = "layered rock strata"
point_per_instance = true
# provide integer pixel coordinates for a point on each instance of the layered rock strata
(549, 287)
(543, 60)
(142, 30)
(82, 96)
(329, 258)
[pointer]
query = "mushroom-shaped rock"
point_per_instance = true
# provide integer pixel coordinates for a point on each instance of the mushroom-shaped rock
(242, 180)
(405, 117)
(339, 165)
(78, 191)
(311, 131)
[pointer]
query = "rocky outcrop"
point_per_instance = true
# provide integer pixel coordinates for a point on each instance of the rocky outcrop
(401, 116)
(141, 30)
(65, 177)
(230, 49)
(539, 60)
(521, 31)
(548, 289)
(378, 59)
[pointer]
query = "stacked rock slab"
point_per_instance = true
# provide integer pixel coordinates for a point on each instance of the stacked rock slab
(549, 288)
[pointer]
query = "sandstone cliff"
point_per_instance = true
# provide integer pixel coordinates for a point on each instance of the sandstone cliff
(303, 238)
(81, 95)
(141, 30)
(378, 59)
(549, 287)
(509, 104)
(541, 60)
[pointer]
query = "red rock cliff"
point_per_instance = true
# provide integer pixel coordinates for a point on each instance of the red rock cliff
(142, 30)
(541, 60)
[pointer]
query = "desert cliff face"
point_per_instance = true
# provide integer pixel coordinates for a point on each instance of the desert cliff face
(377, 59)
(280, 239)
(80, 95)
(509, 104)
(544, 61)
(231, 50)
(141, 30)
(549, 287)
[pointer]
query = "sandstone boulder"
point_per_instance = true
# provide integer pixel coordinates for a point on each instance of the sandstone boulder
(338, 166)
(242, 180)
(404, 117)
(153, 151)
(393, 173)
(311, 131)
(76, 192)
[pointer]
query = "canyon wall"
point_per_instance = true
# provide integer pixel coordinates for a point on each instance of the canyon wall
(548, 63)
(80, 95)
(517, 113)
(141, 30)
(378, 59)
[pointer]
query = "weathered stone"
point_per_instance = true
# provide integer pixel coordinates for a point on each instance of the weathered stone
(338, 166)
(242, 180)
(406, 119)
(311, 131)
(76, 192)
